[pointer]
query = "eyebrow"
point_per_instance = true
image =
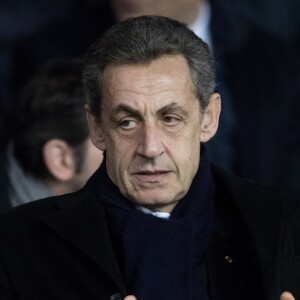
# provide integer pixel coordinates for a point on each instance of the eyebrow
(173, 107)
(123, 108)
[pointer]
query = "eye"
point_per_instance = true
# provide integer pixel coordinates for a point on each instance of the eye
(171, 120)
(128, 124)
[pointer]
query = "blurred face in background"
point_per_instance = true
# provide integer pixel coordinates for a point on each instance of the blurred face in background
(182, 10)
(70, 168)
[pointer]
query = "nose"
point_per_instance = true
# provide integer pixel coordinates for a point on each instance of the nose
(150, 142)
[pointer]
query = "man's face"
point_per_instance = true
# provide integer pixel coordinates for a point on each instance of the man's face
(151, 129)
(182, 10)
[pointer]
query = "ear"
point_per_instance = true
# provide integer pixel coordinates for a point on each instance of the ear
(210, 119)
(96, 132)
(59, 159)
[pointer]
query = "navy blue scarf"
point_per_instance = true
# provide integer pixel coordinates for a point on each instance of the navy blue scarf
(162, 258)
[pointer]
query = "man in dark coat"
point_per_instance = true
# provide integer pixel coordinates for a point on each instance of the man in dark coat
(156, 220)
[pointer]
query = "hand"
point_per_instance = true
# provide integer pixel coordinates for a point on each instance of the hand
(134, 298)
(284, 296)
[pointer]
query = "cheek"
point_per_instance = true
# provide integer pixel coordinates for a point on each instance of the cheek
(118, 159)
(190, 153)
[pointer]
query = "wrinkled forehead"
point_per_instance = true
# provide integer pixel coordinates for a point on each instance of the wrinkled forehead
(148, 87)
(153, 77)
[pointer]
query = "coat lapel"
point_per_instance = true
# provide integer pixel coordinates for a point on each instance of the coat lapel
(83, 225)
(243, 258)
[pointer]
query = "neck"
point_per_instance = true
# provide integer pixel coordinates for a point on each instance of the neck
(59, 188)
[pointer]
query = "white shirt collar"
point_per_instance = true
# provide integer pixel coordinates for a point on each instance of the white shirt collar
(159, 214)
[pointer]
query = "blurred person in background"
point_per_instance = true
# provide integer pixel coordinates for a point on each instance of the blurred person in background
(33, 32)
(50, 152)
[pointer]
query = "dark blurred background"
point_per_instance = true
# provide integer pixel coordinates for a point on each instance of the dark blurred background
(257, 48)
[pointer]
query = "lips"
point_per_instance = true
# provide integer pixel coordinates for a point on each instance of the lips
(151, 172)
(156, 176)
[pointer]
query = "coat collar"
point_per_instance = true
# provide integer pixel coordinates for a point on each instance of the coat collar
(81, 221)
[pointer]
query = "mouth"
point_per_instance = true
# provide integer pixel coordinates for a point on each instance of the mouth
(151, 172)
(151, 176)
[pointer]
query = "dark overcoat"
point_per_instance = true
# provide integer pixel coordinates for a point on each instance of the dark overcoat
(60, 248)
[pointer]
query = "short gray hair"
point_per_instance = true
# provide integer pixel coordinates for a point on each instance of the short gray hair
(141, 40)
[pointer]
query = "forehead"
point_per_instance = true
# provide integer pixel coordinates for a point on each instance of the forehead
(168, 73)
